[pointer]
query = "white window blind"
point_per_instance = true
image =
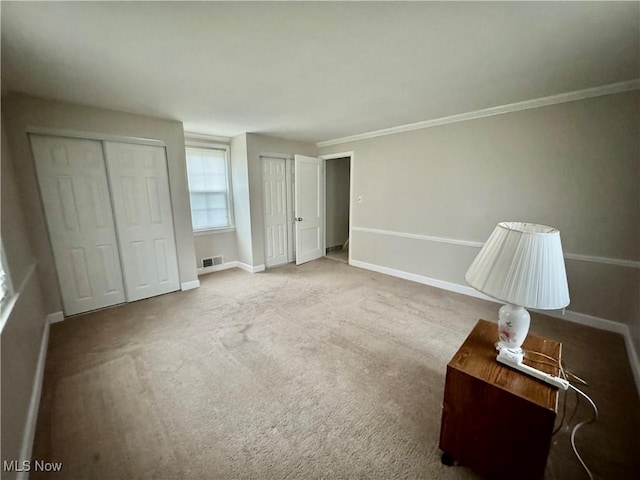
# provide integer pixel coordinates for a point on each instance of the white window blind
(208, 177)
(5, 285)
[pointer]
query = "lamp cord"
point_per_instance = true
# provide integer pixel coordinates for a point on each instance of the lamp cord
(563, 373)
(586, 422)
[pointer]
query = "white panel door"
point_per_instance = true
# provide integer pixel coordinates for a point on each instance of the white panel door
(274, 191)
(309, 200)
(142, 206)
(75, 196)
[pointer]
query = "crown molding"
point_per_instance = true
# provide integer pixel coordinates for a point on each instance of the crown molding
(489, 112)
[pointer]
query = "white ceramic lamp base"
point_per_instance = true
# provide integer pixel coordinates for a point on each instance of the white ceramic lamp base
(513, 326)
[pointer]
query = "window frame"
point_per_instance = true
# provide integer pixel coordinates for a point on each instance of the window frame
(204, 146)
(8, 298)
(7, 291)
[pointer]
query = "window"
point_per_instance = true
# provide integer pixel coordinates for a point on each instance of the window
(209, 190)
(5, 281)
(7, 298)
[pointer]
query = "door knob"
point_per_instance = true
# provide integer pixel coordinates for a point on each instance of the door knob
(299, 219)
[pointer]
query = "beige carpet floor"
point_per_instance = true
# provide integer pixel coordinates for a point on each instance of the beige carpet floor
(317, 371)
(339, 255)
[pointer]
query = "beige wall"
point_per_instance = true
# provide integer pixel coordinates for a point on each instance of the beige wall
(21, 335)
(15, 239)
(574, 166)
(258, 145)
(22, 112)
(634, 329)
(216, 244)
(241, 199)
(337, 201)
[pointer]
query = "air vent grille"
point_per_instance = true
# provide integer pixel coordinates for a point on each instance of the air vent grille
(212, 261)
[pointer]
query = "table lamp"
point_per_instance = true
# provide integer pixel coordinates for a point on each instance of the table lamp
(522, 265)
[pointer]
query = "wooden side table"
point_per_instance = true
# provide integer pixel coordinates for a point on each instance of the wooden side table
(495, 420)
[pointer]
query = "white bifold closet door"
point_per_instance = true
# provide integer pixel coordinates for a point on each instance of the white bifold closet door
(108, 212)
(142, 203)
(274, 187)
(75, 196)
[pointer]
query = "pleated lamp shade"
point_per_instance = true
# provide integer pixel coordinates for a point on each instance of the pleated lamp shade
(522, 264)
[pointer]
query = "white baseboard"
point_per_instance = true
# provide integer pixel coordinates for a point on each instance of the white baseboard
(217, 268)
(414, 277)
(588, 320)
(190, 285)
(234, 264)
(34, 404)
(251, 268)
(571, 316)
(55, 317)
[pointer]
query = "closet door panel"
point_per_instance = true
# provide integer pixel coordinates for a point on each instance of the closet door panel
(75, 196)
(142, 204)
(274, 187)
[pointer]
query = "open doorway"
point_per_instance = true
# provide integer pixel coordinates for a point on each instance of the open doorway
(337, 207)
(306, 207)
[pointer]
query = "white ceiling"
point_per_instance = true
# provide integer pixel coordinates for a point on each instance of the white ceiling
(313, 71)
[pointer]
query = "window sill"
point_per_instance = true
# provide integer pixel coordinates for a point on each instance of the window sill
(213, 231)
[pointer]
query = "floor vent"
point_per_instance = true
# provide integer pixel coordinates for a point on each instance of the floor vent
(212, 261)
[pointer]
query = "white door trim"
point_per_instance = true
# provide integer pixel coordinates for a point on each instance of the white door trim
(291, 229)
(276, 155)
(324, 207)
(103, 137)
(332, 156)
